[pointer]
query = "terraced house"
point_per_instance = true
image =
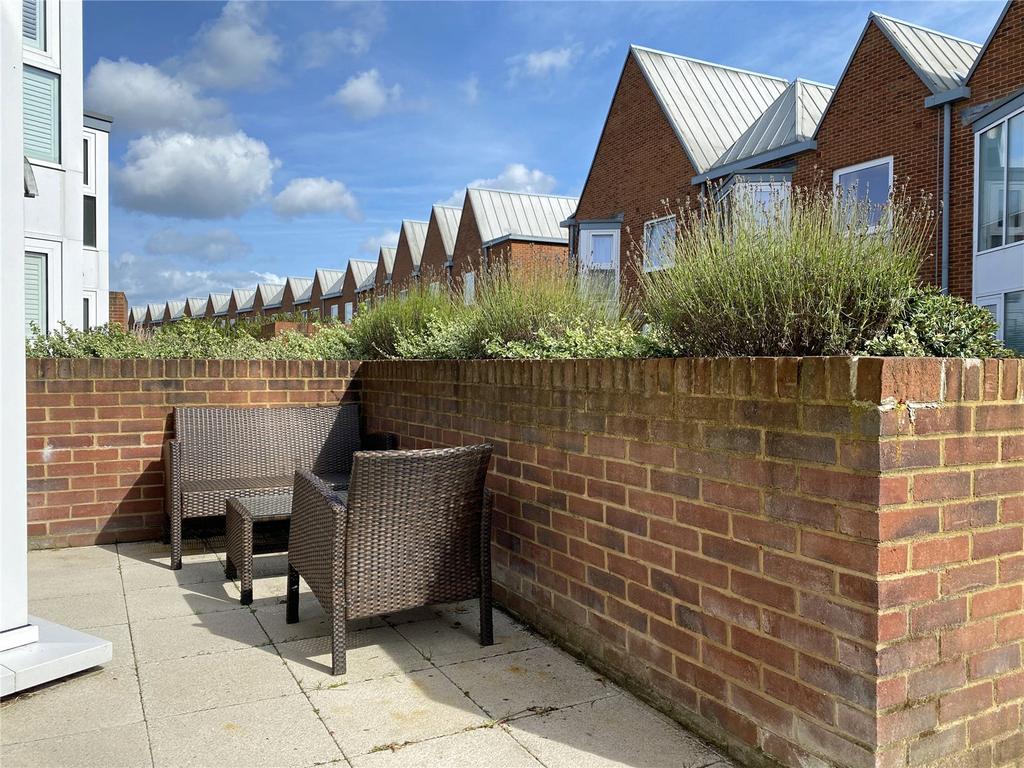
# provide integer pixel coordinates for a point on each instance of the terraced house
(268, 299)
(327, 287)
(439, 246)
(217, 307)
(382, 276)
(513, 228)
(408, 254)
(297, 293)
(357, 272)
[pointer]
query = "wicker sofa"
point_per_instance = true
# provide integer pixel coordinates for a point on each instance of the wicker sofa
(217, 453)
(414, 529)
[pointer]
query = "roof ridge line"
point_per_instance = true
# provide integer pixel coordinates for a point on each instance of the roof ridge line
(923, 28)
(705, 62)
(515, 192)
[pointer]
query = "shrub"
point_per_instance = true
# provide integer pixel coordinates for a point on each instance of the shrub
(799, 276)
(378, 330)
(936, 325)
(106, 341)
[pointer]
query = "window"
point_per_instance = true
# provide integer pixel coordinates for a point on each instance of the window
(35, 291)
(89, 221)
(659, 243)
(305, 314)
(1000, 184)
(348, 311)
(86, 314)
(468, 288)
(868, 183)
(42, 114)
(435, 288)
(403, 294)
(1013, 321)
(599, 261)
(767, 197)
(33, 23)
(85, 162)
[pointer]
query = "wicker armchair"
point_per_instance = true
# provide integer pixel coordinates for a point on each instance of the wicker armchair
(218, 453)
(415, 530)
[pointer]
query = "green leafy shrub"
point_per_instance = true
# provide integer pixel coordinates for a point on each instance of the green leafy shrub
(936, 325)
(378, 330)
(110, 341)
(803, 275)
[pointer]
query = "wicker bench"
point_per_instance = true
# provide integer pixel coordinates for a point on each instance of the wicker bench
(219, 453)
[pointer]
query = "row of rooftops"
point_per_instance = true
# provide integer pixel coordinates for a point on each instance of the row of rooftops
(726, 119)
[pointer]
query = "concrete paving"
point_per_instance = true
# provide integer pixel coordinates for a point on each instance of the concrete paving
(199, 680)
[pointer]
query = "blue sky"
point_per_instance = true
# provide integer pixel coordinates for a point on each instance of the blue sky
(255, 141)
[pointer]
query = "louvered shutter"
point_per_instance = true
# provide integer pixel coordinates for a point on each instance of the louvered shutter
(35, 291)
(33, 23)
(42, 115)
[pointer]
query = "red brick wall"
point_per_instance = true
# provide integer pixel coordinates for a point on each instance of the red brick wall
(639, 163)
(1000, 73)
(467, 255)
(432, 265)
(401, 274)
(118, 309)
(783, 553)
(522, 254)
(878, 110)
(96, 429)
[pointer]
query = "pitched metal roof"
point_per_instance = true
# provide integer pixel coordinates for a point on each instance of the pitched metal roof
(302, 289)
(368, 282)
(361, 269)
(220, 302)
(500, 214)
(244, 298)
(196, 306)
(176, 309)
(940, 60)
(447, 218)
(708, 105)
(330, 281)
(386, 256)
(138, 314)
(415, 233)
(789, 120)
(271, 294)
(155, 312)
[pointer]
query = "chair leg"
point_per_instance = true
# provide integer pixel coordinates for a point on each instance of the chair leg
(486, 617)
(175, 542)
(292, 606)
(338, 644)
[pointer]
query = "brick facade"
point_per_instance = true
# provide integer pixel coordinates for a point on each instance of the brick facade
(639, 164)
(118, 309)
(402, 273)
(521, 254)
(878, 111)
(433, 263)
(467, 256)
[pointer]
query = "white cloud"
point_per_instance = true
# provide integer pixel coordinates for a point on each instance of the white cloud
(214, 246)
(365, 96)
(319, 47)
(158, 278)
(234, 50)
(372, 244)
(142, 98)
(540, 64)
(202, 177)
(470, 88)
(515, 178)
(308, 196)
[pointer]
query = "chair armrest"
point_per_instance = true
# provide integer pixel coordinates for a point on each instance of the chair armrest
(316, 538)
(172, 476)
(379, 441)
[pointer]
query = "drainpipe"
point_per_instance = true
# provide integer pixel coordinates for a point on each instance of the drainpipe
(947, 110)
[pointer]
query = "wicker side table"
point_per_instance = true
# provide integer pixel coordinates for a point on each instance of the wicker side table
(241, 514)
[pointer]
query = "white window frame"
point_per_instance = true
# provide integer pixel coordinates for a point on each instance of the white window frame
(58, 121)
(1005, 122)
(586, 238)
(54, 253)
(888, 159)
(667, 262)
(93, 298)
(47, 57)
(89, 162)
(468, 288)
(349, 311)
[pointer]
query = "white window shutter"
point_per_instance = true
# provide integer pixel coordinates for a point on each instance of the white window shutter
(35, 291)
(33, 23)
(42, 114)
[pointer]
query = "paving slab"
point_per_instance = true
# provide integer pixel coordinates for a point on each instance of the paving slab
(371, 654)
(53, 580)
(120, 636)
(73, 558)
(162, 602)
(194, 635)
(157, 553)
(83, 611)
(451, 639)
(376, 714)
(86, 702)
(489, 746)
(312, 622)
(278, 733)
(193, 683)
(528, 681)
(143, 575)
(610, 733)
(124, 746)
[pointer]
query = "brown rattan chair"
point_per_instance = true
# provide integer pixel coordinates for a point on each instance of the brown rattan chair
(219, 453)
(414, 530)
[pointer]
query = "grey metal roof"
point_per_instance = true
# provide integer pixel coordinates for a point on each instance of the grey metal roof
(330, 281)
(940, 60)
(708, 105)
(302, 289)
(271, 294)
(244, 298)
(196, 305)
(220, 302)
(415, 233)
(155, 312)
(501, 213)
(447, 218)
(368, 282)
(362, 269)
(792, 118)
(176, 309)
(138, 314)
(386, 255)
